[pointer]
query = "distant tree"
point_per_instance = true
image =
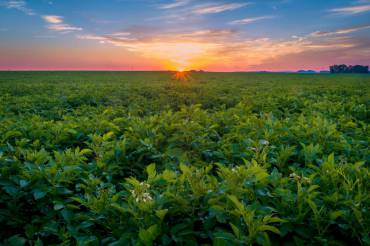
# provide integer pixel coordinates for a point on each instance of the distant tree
(306, 71)
(349, 69)
(360, 69)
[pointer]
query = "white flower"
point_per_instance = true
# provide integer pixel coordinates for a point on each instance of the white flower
(142, 194)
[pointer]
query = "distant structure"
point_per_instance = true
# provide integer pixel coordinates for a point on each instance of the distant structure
(349, 69)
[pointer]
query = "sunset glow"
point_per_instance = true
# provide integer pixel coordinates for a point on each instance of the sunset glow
(181, 75)
(183, 35)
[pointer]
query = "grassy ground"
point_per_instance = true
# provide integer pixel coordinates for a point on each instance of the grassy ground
(136, 158)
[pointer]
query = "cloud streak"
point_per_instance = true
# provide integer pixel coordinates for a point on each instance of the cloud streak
(119, 34)
(19, 5)
(217, 8)
(63, 28)
(250, 20)
(176, 4)
(352, 10)
(339, 31)
(53, 19)
(56, 23)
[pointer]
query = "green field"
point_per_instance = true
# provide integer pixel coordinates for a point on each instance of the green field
(135, 158)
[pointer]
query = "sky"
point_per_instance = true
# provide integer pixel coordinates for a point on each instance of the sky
(213, 35)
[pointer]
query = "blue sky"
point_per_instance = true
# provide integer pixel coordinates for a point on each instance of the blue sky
(187, 34)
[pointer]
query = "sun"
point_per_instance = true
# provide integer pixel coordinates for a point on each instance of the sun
(181, 74)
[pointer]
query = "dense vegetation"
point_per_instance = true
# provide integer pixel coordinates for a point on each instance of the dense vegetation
(349, 69)
(109, 158)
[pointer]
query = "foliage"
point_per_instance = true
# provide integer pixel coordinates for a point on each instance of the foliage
(349, 69)
(222, 159)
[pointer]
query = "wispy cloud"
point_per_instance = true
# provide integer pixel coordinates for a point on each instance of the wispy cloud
(107, 38)
(64, 28)
(19, 5)
(339, 31)
(100, 39)
(217, 8)
(118, 34)
(175, 4)
(91, 37)
(250, 20)
(56, 23)
(330, 45)
(352, 10)
(53, 19)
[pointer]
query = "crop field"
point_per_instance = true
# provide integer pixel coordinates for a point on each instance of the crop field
(138, 158)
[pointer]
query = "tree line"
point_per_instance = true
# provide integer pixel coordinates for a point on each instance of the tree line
(349, 69)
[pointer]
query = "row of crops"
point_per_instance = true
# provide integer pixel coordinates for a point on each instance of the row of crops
(99, 158)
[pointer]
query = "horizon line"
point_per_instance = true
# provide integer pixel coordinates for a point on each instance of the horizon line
(191, 70)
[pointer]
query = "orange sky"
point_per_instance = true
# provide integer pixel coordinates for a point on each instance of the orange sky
(213, 35)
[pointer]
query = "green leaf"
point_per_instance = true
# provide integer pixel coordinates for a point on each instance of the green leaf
(133, 181)
(119, 208)
(222, 238)
(236, 202)
(335, 214)
(39, 242)
(23, 183)
(312, 205)
(184, 169)
(331, 160)
(38, 194)
(86, 240)
(11, 190)
(86, 152)
(161, 213)
(235, 230)
(16, 240)
(274, 220)
(312, 188)
(151, 171)
(269, 228)
(147, 236)
(58, 206)
(169, 176)
(107, 136)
